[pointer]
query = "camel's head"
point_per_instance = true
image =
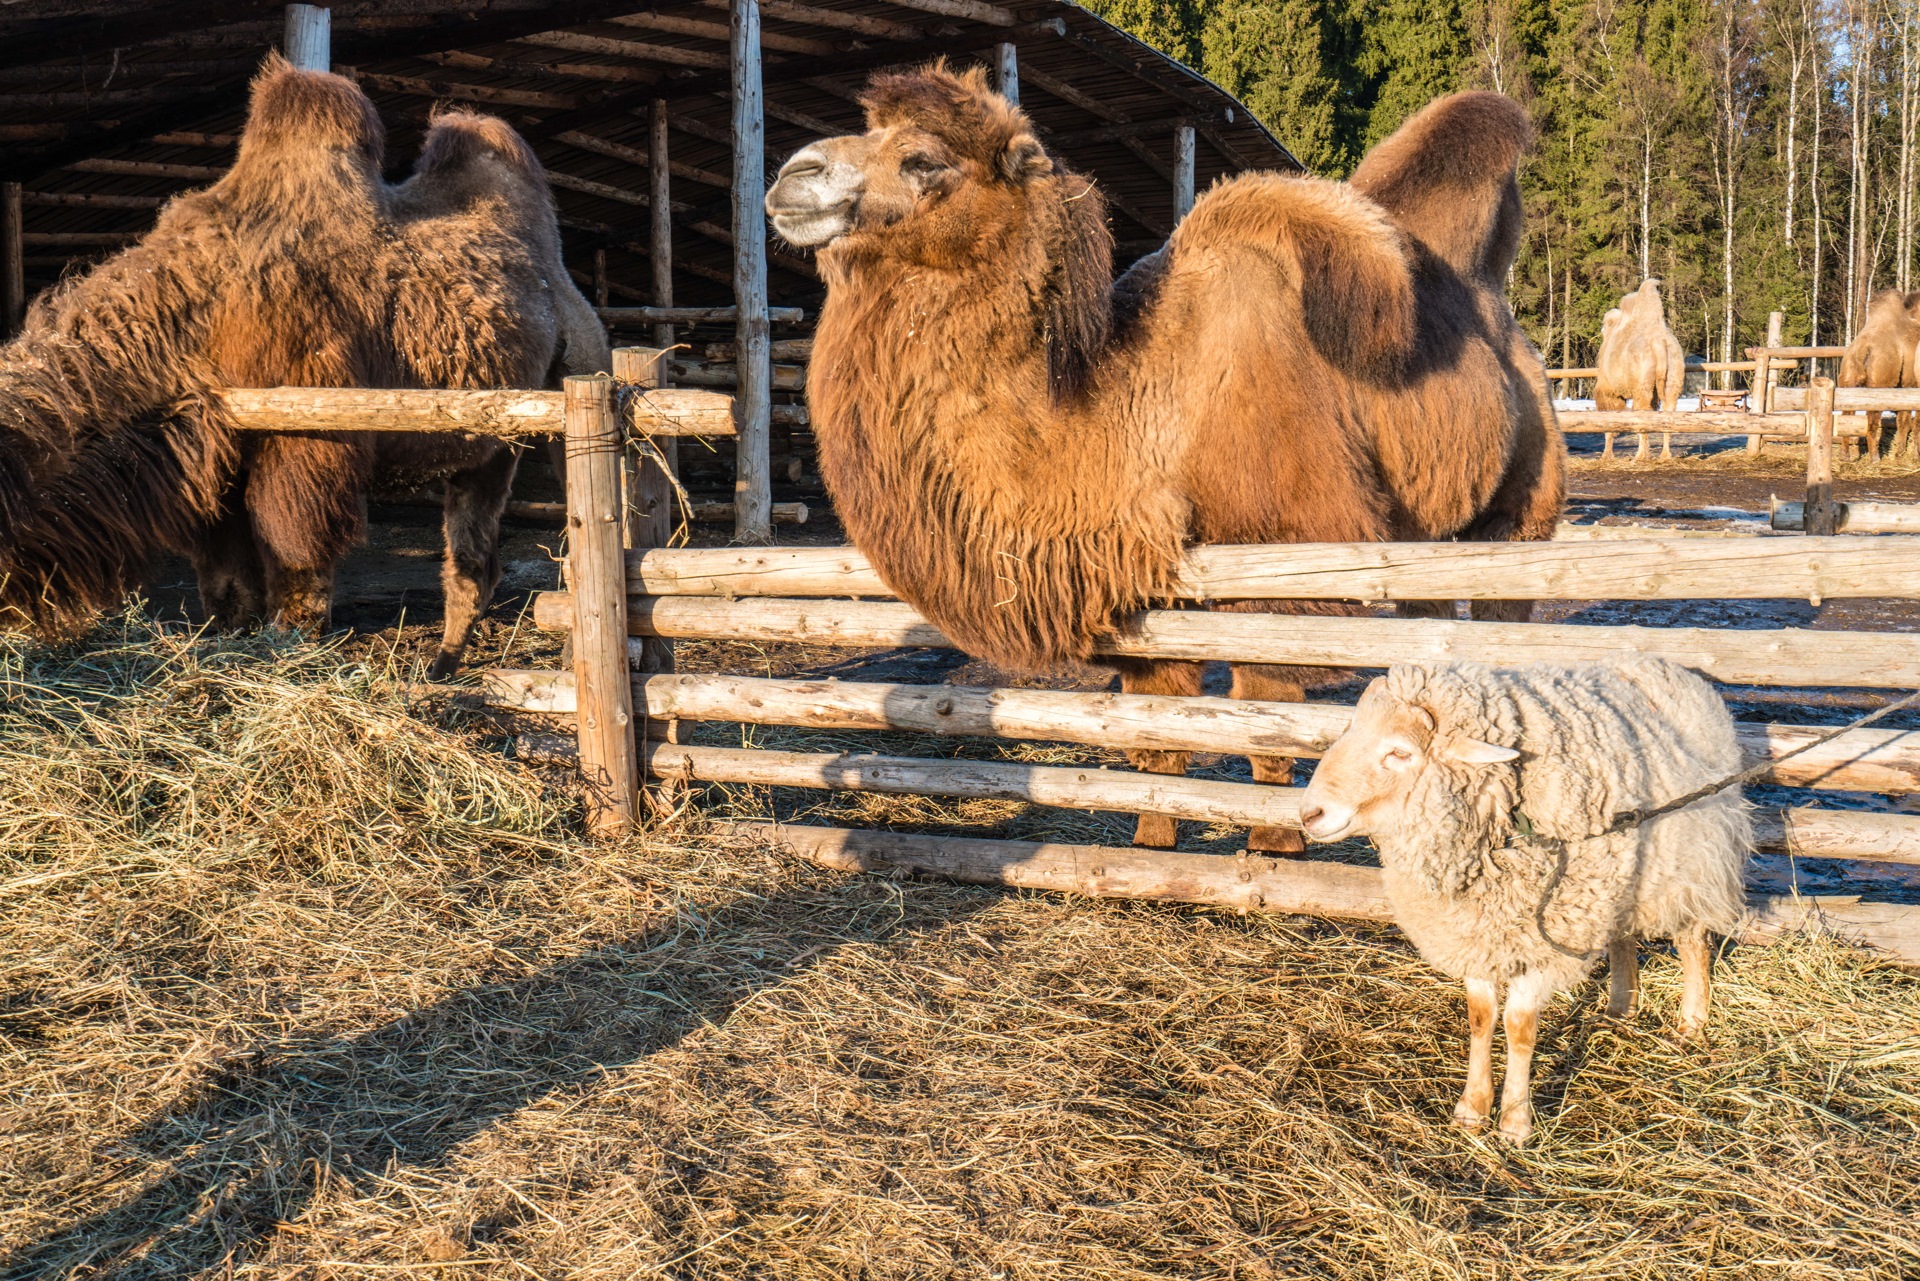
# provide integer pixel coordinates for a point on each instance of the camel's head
(930, 134)
(308, 114)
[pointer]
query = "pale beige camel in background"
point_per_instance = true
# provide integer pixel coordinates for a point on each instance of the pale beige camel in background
(1640, 361)
(1882, 355)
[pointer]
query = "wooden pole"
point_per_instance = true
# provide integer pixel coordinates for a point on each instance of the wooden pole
(1765, 375)
(650, 488)
(660, 218)
(1819, 509)
(308, 37)
(753, 464)
(600, 278)
(13, 265)
(1182, 171)
(1250, 883)
(1006, 67)
(1782, 656)
(608, 761)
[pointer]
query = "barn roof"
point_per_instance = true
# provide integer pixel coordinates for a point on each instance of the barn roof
(106, 109)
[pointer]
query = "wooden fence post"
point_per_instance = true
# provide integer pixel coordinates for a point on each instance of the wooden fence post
(13, 261)
(1820, 423)
(753, 400)
(308, 42)
(1182, 171)
(596, 571)
(1006, 67)
(1765, 376)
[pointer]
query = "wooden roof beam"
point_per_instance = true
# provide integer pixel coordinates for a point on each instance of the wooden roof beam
(653, 21)
(148, 169)
(623, 73)
(636, 156)
(673, 55)
(970, 10)
(420, 87)
(82, 37)
(814, 16)
(91, 200)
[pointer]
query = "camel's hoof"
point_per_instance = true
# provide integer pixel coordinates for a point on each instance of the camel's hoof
(1693, 1031)
(1468, 1117)
(1276, 840)
(1622, 1012)
(443, 667)
(1516, 1125)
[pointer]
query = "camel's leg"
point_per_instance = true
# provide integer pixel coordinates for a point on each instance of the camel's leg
(1902, 435)
(1606, 446)
(1696, 984)
(233, 584)
(1149, 676)
(476, 499)
(1483, 1000)
(1273, 685)
(1666, 445)
(1525, 996)
(307, 498)
(1644, 448)
(1623, 977)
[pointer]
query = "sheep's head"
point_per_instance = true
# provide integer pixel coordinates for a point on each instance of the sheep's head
(1390, 754)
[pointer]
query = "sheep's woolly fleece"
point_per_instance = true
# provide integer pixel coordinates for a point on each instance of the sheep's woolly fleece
(1595, 740)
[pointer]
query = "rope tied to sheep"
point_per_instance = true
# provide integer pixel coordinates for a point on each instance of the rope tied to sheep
(1627, 820)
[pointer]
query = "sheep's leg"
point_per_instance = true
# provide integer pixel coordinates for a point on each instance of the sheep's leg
(1483, 999)
(476, 499)
(1696, 987)
(1146, 676)
(1276, 685)
(1623, 977)
(1525, 996)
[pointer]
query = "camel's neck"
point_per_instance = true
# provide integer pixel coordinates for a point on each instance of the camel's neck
(1017, 517)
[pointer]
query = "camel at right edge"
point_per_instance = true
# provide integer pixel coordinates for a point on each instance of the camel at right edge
(1882, 355)
(1024, 448)
(1640, 361)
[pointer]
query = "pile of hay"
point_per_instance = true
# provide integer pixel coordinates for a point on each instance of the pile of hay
(295, 983)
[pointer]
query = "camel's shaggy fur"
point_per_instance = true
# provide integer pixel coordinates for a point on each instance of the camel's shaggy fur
(1439, 767)
(1640, 359)
(1024, 448)
(1882, 355)
(299, 267)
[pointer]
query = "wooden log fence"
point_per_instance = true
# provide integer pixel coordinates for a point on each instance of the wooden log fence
(628, 708)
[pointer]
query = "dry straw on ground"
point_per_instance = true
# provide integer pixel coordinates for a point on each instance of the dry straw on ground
(297, 984)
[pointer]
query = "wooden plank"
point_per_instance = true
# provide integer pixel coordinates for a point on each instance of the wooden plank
(1252, 883)
(1781, 656)
(491, 413)
(1853, 518)
(595, 522)
(1810, 832)
(1078, 788)
(753, 466)
(1756, 567)
(1863, 760)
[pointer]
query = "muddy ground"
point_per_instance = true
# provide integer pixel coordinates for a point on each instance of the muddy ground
(389, 603)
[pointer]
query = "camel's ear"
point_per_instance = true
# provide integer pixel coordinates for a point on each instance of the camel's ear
(1023, 159)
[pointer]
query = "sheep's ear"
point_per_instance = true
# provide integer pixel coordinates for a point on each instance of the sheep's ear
(1471, 751)
(1024, 158)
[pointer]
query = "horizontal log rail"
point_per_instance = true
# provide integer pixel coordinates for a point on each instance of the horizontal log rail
(489, 413)
(1081, 788)
(1852, 518)
(1752, 568)
(1854, 400)
(1252, 883)
(692, 315)
(1863, 760)
(1693, 367)
(1774, 426)
(1797, 353)
(1784, 656)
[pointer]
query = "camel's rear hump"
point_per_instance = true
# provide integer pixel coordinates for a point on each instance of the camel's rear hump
(1449, 178)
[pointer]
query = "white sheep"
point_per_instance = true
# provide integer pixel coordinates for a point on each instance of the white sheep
(1453, 768)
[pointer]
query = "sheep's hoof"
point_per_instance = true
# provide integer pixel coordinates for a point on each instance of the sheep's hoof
(1468, 1117)
(1516, 1125)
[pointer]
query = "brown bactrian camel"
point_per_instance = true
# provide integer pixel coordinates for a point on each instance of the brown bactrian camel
(299, 267)
(1024, 448)
(1640, 361)
(1882, 355)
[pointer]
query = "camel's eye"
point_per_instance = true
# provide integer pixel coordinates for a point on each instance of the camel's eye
(921, 166)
